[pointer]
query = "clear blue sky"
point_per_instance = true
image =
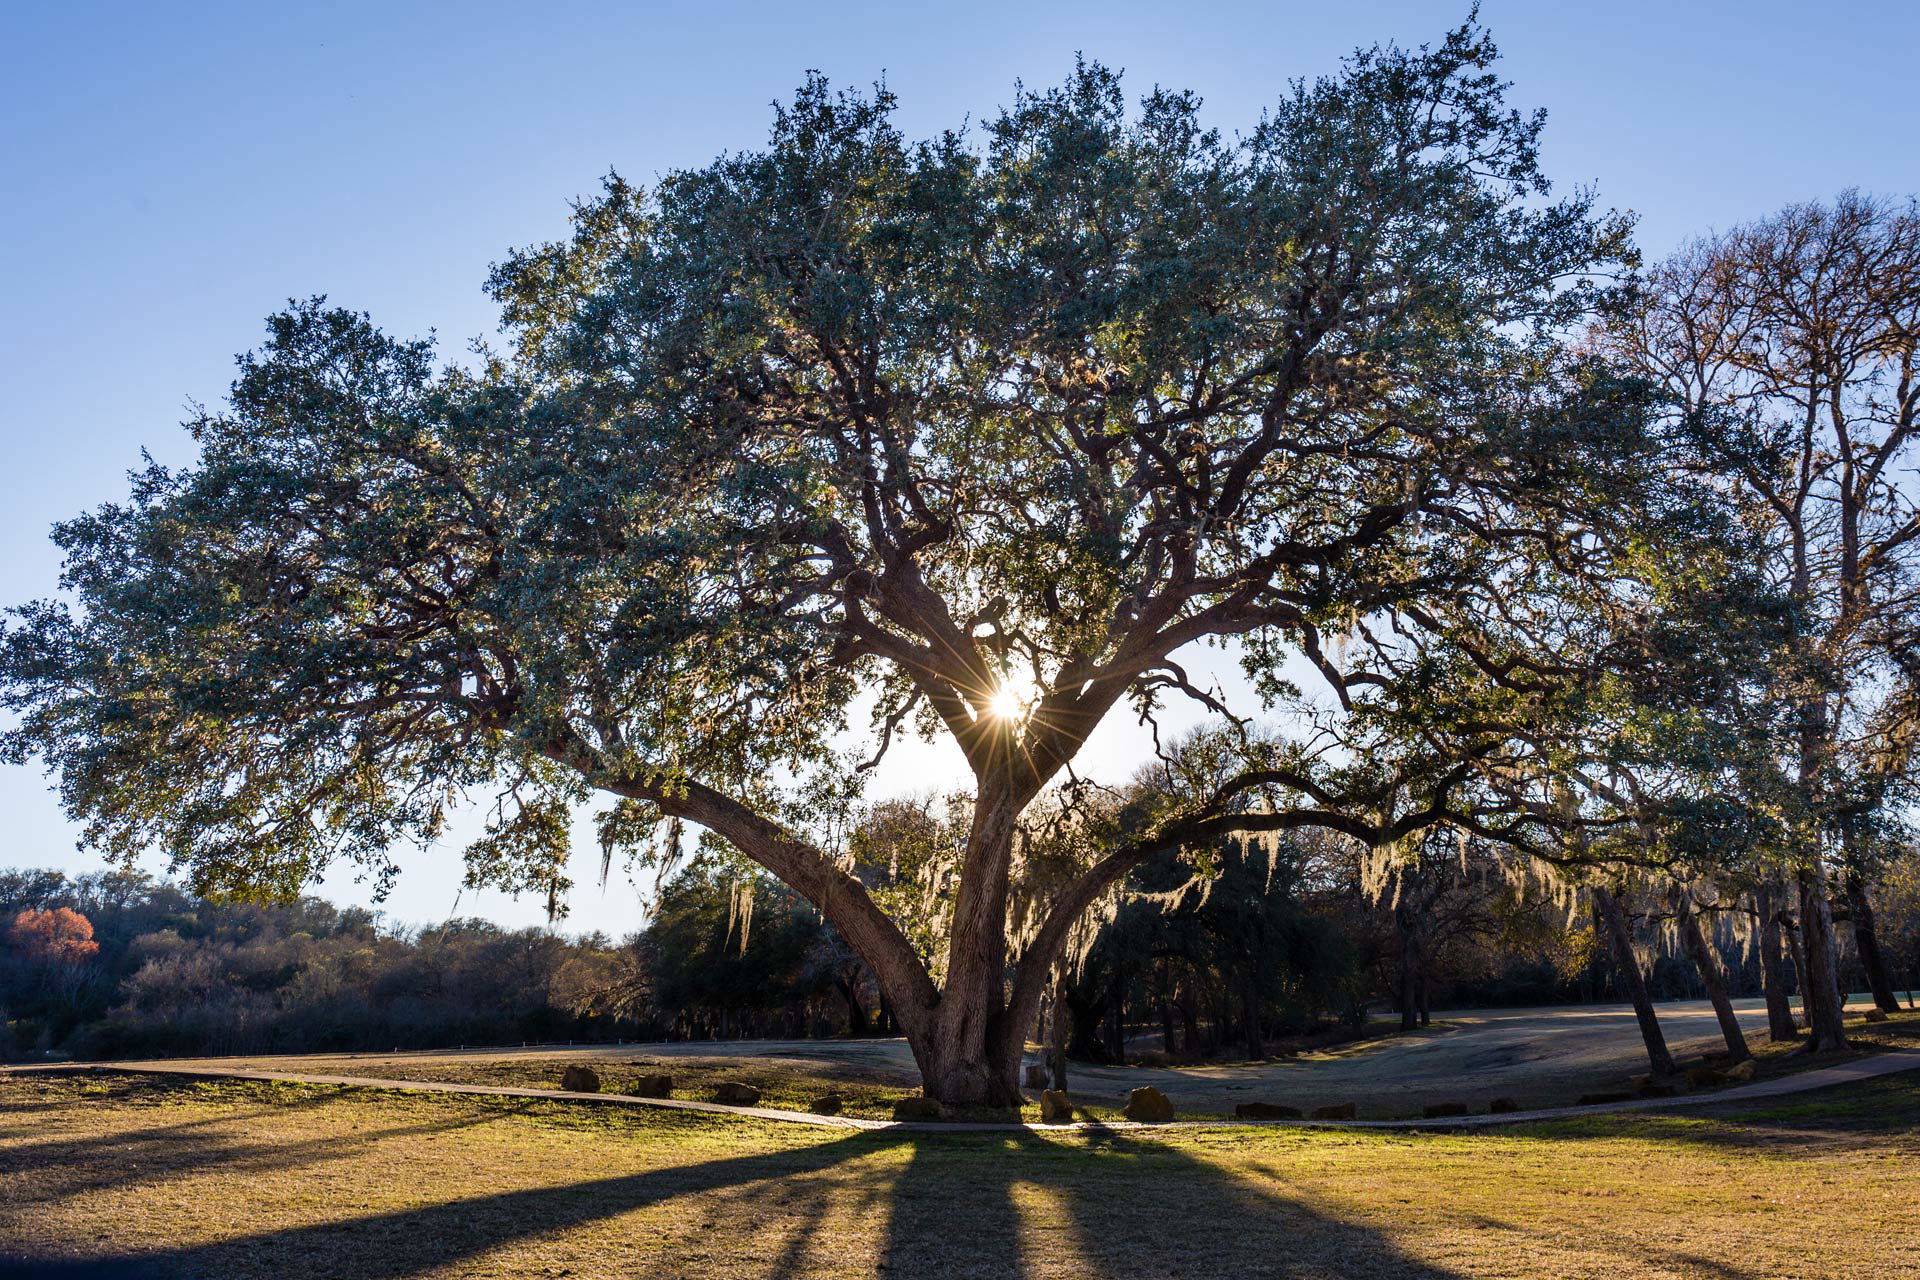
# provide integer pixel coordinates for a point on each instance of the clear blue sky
(172, 173)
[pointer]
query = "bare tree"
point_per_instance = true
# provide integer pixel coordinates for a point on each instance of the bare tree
(1789, 348)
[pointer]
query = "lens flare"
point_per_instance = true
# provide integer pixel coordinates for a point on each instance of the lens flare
(1007, 704)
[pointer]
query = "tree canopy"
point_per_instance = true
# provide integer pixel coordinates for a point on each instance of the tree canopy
(848, 437)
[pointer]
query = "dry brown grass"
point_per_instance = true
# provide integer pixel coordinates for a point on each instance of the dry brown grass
(244, 1180)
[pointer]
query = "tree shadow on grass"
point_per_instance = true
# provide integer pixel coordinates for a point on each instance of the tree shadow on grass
(956, 1206)
(1114, 1206)
(903, 1205)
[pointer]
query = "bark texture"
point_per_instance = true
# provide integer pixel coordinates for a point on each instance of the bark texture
(1825, 1005)
(1867, 942)
(1773, 965)
(1712, 975)
(1613, 923)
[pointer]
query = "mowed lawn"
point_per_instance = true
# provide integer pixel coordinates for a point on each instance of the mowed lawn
(243, 1179)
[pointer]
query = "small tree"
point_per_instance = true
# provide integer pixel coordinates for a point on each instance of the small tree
(60, 936)
(986, 434)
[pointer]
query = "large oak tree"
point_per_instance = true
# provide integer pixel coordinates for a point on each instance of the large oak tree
(854, 436)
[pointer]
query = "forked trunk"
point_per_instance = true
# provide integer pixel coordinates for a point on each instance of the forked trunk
(856, 1007)
(1712, 976)
(969, 1054)
(1825, 1006)
(1773, 965)
(1613, 924)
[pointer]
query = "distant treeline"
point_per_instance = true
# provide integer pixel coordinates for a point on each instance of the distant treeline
(1271, 944)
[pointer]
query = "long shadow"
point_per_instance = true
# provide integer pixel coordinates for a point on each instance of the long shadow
(956, 1206)
(409, 1242)
(70, 1168)
(1131, 1207)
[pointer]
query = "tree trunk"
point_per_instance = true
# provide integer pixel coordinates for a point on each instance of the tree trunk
(1409, 967)
(1867, 942)
(856, 1008)
(1825, 1005)
(1250, 1000)
(971, 1054)
(1773, 965)
(1796, 944)
(1116, 1017)
(1166, 1006)
(1712, 976)
(1613, 923)
(1059, 1019)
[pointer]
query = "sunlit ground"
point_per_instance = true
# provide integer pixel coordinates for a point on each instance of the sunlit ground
(272, 1180)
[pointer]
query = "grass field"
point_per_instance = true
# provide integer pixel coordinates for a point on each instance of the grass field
(261, 1180)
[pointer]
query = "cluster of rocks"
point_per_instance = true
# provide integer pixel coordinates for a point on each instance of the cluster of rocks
(1703, 1075)
(731, 1093)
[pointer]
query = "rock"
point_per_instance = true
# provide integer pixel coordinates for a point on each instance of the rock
(1054, 1107)
(827, 1104)
(651, 1086)
(1441, 1110)
(734, 1093)
(1741, 1070)
(1876, 1015)
(1148, 1105)
(578, 1079)
(1705, 1077)
(1502, 1107)
(1600, 1099)
(916, 1108)
(1662, 1089)
(1340, 1111)
(1152, 1058)
(1038, 1077)
(1266, 1111)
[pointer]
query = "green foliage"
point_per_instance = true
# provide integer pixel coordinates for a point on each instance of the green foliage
(844, 412)
(725, 936)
